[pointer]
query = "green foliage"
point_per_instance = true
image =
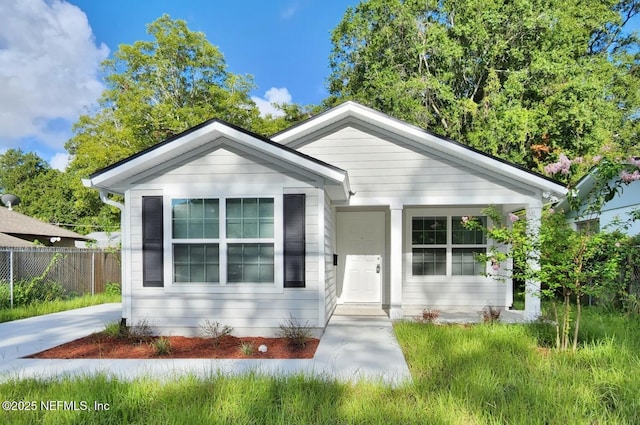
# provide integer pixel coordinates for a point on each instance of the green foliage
(112, 288)
(521, 80)
(38, 309)
(247, 348)
(461, 375)
(162, 346)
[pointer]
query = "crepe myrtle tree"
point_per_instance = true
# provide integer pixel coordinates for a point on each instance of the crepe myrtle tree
(571, 264)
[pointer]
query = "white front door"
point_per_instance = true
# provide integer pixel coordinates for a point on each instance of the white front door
(360, 256)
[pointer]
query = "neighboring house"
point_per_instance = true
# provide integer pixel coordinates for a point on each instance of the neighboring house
(350, 206)
(19, 230)
(101, 240)
(615, 211)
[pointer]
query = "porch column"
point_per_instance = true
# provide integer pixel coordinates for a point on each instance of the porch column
(395, 263)
(532, 286)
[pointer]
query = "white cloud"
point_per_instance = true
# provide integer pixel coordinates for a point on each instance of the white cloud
(48, 70)
(60, 161)
(271, 96)
(290, 11)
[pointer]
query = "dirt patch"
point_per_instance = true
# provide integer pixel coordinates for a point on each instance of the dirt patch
(102, 346)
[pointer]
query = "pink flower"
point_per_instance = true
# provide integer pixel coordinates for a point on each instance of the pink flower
(634, 161)
(628, 177)
(597, 159)
(513, 217)
(465, 219)
(563, 166)
(495, 265)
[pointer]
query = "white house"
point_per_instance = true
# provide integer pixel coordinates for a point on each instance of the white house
(614, 212)
(350, 206)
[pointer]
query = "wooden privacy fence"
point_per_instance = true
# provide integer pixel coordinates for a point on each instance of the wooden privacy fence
(84, 271)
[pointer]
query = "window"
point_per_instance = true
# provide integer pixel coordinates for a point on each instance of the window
(442, 245)
(429, 240)
(588, 227)
(467, 244)
(223, 241)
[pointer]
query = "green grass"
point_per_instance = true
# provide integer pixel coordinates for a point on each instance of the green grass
(38, 309)
(481, 374)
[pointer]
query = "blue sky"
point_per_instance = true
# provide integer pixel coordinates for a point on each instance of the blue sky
(50, 51)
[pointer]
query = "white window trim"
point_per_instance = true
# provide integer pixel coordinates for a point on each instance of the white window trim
(222, 286)
(449, 213)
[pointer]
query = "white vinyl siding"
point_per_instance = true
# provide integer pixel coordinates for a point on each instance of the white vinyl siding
(249, 309)
(380, 169)
(329, 250)
(453, 288)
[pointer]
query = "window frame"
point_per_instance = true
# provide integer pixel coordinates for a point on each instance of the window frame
(223, 285)
(449, 246)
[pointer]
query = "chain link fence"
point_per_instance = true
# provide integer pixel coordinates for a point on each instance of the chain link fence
(81, 271)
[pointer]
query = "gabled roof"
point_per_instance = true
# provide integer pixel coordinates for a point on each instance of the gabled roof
(13, 242)
(13, 223)
(354, 113)
(206, 137)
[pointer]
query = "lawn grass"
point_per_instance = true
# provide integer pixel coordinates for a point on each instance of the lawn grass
(38, 309)
(480, 374)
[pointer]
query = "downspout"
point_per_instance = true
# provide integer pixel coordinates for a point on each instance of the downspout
(104, 197)
(124, 289)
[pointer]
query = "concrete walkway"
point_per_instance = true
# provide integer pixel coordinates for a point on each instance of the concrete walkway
(352, 348)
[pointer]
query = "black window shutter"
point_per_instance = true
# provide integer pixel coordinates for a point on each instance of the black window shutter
(152, 242)
(294, 240)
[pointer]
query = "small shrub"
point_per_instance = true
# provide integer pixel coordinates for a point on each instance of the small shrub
(247, 348)
(429, 315)
(215, 330)
(296, 334)
(491, 314)
(113, 329)
(162, 346)
(112, 288)
(142, 331)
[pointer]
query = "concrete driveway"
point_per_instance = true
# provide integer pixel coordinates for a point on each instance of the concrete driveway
(352, 348)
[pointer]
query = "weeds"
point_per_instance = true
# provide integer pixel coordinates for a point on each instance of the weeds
(162, 346)
(247, 348)
(491, 314)
(429, 315)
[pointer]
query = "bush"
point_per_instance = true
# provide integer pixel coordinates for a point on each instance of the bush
(296, 333)
(162, 346)
(30, 291)
(142, 331)
(215, 330)
(112, 288)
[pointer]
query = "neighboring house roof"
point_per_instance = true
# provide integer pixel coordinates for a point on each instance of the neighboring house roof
(13, 242)
(18, 225)
(350, 113)
(206, 137)
(101, 240)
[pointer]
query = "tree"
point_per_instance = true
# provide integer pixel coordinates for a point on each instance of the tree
(572, 264)
(521, 80)
(156, 89)
(45, 193)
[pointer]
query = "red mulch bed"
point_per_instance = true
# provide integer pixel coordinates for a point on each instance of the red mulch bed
(102, 346)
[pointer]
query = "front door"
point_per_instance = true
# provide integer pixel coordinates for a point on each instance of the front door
(360, 256)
